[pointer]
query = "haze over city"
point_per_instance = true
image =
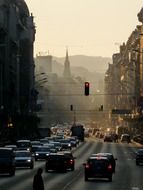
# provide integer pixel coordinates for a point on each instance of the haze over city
(93, 27)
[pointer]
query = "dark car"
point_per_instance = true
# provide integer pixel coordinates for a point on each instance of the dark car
(24, 145)
(23, 158)
(98, 167)
(73, 141)
(110, 157)
(42, 152)
(56, 162)
(66, 144)
(108, 138)
(34, 149)
(7, 162)
(125, 138)
(139, 156)
(70, 159)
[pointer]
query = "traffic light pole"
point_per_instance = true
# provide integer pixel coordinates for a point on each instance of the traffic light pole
(74, 113)
(74, 117)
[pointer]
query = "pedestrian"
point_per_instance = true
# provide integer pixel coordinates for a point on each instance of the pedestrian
(38, 183)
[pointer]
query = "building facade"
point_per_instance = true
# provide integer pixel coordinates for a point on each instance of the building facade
(124, 77)
(17, 35)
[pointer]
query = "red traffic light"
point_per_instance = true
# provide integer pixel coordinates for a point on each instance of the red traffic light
(86, 88)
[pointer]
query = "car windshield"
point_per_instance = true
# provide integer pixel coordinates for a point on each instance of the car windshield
(22, 154)
(43, 149)
(23, 144)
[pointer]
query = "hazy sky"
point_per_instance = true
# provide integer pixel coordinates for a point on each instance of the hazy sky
(88, 27)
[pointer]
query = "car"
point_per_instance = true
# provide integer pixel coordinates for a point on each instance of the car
(56, 162)
(24, 145)
(44, 141)
(57, 145)
(70, 160)
(72, 141)
(110, 157)
(7, 161)
(108, 138)
(66, 144)
(36, 143)
(125, 138)
(23, 158)
(76, 139)
(98, 167)
(139, 156)
(34, 148)
(42, 152)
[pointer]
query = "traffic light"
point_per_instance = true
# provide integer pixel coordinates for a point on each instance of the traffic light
(101, 108)
(71, 107)
(86, 89)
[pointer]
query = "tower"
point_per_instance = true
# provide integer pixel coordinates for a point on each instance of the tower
(67, 72)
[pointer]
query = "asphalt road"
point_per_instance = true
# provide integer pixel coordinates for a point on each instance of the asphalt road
(128, 176)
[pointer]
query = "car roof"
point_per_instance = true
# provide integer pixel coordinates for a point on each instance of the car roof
(24, 140)
(66, 152)
(98, 158)
(104, 154)
(5, 148)
(125, 134)
(22, 151)
(10, 145)
(56, 154)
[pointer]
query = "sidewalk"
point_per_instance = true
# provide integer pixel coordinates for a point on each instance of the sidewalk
(136, 143)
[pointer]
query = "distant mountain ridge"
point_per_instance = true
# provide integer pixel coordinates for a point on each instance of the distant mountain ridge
(92, 63)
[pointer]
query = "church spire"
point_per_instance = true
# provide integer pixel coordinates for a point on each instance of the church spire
(67, 72)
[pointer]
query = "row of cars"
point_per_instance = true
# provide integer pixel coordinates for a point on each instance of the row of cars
(125, 138)
(25, 152)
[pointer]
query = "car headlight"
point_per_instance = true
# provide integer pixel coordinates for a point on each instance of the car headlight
(37, 154)
(47, 154)
(29, 160)
(69, 144)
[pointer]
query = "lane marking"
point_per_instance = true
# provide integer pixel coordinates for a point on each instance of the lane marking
(135, 188)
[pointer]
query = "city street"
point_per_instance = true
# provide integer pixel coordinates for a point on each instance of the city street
(127, 175)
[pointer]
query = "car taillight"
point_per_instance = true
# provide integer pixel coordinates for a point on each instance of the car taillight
(87, 166)
(109, 167)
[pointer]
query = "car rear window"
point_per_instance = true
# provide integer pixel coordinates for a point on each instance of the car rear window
(98, 162)
(22, 154)
(56, 157)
